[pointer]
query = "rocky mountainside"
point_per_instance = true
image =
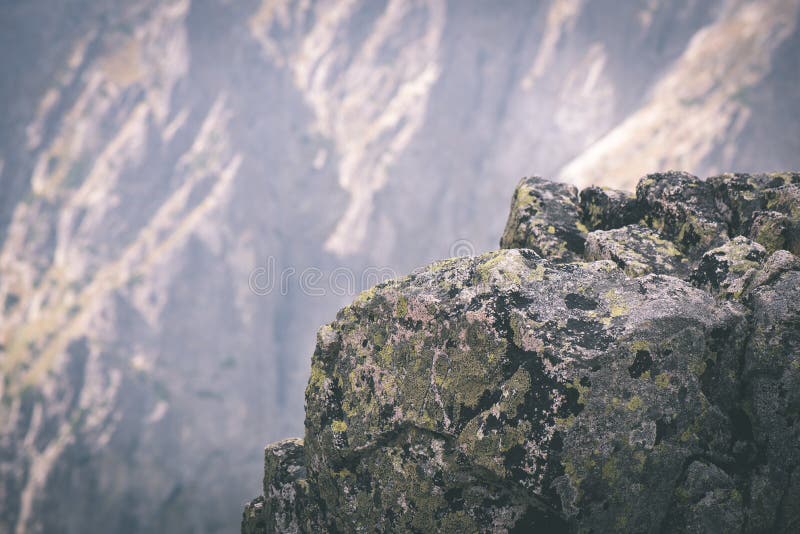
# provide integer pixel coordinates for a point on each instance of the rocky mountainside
(623, 364)
(154, 153)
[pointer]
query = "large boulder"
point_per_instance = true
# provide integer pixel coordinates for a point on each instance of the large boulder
(535, 389)
(504, 390)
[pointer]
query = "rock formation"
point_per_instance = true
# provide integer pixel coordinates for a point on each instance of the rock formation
(623, 363)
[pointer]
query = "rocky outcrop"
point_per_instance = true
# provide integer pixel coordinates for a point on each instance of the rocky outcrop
(598, 373)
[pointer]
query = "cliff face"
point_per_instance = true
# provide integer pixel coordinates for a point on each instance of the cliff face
(623, 363)
(154, 153)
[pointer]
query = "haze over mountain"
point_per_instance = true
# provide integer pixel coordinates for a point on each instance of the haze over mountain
(154, 155)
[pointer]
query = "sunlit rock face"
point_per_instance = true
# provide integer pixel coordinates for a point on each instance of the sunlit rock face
(153, 154)
(516, 392)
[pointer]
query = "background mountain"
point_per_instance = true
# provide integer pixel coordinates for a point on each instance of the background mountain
(154, 155)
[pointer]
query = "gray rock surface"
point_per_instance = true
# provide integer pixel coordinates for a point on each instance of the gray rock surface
(761, 206)
(546, 217)
(707, 501)
(605, 209)
(682, 208)
(771, 403)
(637, 250)
(514, 392)
(776, 231)
(730, 269)
(287, 507)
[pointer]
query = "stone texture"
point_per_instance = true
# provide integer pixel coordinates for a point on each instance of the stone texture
(766, 207)
(706, 502)
(728, 270)
(775, 231)
(514, 392)
(253, 518)
(637, 250)
(604, 209)
(741, 196)
(682, 208)
(771, 378)
(482, 396)
(287, 507)
(545, 217)
(777, 264)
